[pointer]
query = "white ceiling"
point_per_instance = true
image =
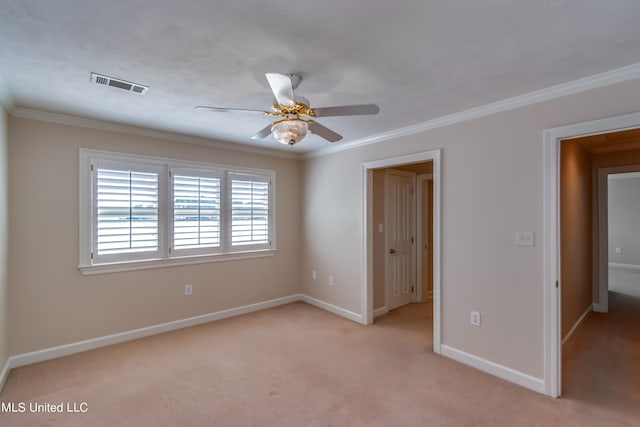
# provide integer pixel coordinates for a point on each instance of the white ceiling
(417, 59)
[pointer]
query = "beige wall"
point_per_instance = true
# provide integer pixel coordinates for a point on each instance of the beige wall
(576, 228)
(332, 211)
(379, 278)
(53, 304)
(491, 188)
(4, 239)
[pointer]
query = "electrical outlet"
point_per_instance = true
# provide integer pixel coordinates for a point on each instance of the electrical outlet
(475, 318)
(314, 275)
(188, 289)
(331, 281)
(618, 250)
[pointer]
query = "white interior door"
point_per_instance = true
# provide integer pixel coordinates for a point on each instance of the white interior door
(399, 238)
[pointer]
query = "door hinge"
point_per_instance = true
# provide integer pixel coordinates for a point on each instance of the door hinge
(412, 240)
(91, 167)
(412, 290)
(556, 284)
(91, 256)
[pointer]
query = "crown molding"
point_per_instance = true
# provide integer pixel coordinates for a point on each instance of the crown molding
(607, 78)
(67, 119)
(584, 84)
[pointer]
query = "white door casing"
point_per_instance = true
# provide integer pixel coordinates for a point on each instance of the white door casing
(551, 247)
(400, 271)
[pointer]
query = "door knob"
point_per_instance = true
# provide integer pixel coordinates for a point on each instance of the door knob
(392, 251)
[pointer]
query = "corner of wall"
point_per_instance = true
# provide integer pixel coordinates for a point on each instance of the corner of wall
(4, 228)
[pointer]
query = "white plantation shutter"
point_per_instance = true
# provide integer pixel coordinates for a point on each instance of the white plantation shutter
(147, 212)
(249, 210)
(196, 199)
(126, 220)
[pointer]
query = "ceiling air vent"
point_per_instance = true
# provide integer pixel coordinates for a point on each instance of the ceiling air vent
(117, 83)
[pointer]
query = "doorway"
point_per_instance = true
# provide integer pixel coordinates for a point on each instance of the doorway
(372, 227)
(599, 315)
(623, 217)
(553, 324)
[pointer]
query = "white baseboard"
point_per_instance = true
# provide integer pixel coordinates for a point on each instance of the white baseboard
(380, 311)
(333, 308)
(90, 344)
(625, 266)
(500, 371)
(573, 328)
(81, 346)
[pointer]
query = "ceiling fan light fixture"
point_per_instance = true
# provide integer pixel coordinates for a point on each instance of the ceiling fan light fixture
(289, 131)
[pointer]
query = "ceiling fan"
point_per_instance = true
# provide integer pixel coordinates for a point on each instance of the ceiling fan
(294, 113)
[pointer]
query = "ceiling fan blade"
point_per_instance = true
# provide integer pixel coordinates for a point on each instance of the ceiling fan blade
(228, 110)
(282, 89)
(262, 133)
(324, 132)
(347, 110)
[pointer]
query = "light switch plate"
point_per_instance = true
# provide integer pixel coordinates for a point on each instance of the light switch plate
(474, 318)
(525, 238)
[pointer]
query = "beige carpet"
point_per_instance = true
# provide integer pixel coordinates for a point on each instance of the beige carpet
(296, 365)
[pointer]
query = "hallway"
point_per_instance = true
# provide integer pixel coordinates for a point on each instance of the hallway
(601, 359)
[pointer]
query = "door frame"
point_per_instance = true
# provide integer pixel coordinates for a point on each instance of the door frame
(551, 226)
(601, 304)
(368, 230)
(421, 180)
(415, 262)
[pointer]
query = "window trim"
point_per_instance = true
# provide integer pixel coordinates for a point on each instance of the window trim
(166, 259)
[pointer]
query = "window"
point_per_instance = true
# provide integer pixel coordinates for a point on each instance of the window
(249, 210)
(126, 222)
(196, 211)
(142, 212)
